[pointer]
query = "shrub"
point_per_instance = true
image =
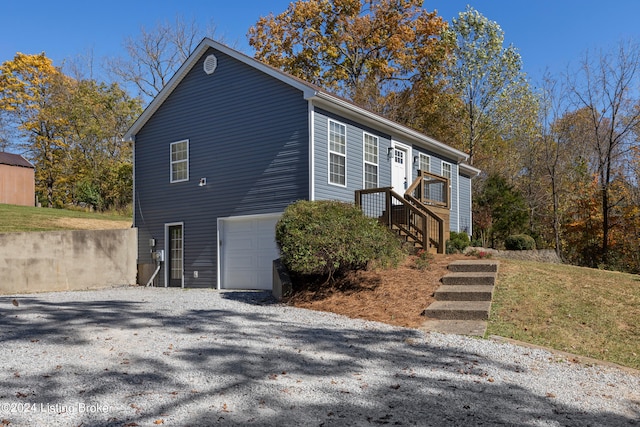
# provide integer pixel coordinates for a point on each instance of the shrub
(479, 253)
(329, 238)
(457, 242)
(519, 242)
(423, 260)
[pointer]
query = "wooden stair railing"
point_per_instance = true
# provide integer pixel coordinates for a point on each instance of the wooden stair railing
(436, 223)
(406, 215)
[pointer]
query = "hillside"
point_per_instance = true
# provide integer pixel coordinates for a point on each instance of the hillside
(23, 218)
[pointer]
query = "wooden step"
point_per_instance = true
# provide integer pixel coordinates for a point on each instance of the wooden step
(464, 293)
(481, 278)
(474, 265)
(458, 310)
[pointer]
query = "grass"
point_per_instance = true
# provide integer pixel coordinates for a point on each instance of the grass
(24, 218)
(593, 313)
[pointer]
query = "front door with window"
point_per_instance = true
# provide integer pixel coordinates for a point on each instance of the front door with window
(399, 178)
(175, 256)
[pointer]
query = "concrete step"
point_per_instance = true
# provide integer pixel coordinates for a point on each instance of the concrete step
(481, 278)
(474, 265)
(464, 293)
(458, 310)
(476, 328)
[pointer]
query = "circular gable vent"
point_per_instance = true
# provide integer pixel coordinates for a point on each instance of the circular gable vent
(210, 64)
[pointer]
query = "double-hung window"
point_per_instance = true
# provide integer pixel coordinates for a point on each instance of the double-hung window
(446, 171)
(337, 153)
(424, 163)
(370, 161)
(180, 161)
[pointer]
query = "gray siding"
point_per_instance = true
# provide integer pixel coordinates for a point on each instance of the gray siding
(465, 204)
(355, 161)
(248, 136)
(323, 190)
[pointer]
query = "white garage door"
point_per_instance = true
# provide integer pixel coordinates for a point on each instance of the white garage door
(247, 250)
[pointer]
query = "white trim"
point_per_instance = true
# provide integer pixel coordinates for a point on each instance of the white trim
(312, 152)
(220, 226)
(365, 162)
(470, 209)
(458, 198)
(450, 171)
(171, 162)
(329, 152)
(408, 164)
(167, 248)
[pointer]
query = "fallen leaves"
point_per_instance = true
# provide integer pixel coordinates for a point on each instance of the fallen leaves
(15, 302)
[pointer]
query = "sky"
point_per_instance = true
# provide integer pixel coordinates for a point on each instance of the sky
(549, 34)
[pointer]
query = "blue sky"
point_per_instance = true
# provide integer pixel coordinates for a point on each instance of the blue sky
(548, 33)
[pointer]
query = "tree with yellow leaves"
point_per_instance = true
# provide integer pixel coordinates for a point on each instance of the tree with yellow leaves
(32, 91)
(371, 51)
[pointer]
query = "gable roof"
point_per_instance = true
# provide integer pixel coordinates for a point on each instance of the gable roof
(310, 92)
(14, 160)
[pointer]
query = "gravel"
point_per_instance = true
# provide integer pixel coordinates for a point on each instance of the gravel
(143, 356)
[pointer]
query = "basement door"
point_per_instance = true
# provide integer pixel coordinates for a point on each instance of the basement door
(175, 255)
(247, 248)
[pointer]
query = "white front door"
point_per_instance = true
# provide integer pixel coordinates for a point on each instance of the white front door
(399, 177)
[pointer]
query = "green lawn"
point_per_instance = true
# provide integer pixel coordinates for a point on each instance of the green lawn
(584, 311)
(23, 218)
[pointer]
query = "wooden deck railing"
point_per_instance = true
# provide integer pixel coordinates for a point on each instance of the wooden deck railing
(407, 215)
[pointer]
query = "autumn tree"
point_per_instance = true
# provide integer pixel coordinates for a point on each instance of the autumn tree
(606, 86)
(155, 54)
(100, 114)
(32, 91)
(372, 52)
(71, 130)
(485, 74)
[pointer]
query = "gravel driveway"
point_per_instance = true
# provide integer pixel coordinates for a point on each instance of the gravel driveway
(136, 356)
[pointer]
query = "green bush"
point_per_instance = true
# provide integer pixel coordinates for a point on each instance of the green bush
(519, 242)
(329, 238)
(457, 242)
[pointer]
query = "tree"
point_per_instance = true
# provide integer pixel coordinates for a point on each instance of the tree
(483, 72)
(502, 209)
(605, 86)
(31, 93)
(372, 52)
(155, 56)
(72, 131)
(101, 167)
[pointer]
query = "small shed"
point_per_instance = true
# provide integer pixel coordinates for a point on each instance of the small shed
(17, 180)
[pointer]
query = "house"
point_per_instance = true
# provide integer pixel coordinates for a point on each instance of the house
(230, 142)
(17, 180)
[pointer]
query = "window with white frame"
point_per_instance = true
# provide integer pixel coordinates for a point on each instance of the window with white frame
(370, 161)
(424, 162)
(446, 171)
(337, 153)
(180, 161)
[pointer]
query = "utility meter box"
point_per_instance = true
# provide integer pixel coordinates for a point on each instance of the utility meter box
(159, 255)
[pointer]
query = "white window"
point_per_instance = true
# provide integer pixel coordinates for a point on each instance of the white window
(337, 153)
(370, 161)
(446, 171)
(180, 161)
(424, 163)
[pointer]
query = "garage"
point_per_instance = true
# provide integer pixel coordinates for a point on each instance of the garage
(247, 250)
